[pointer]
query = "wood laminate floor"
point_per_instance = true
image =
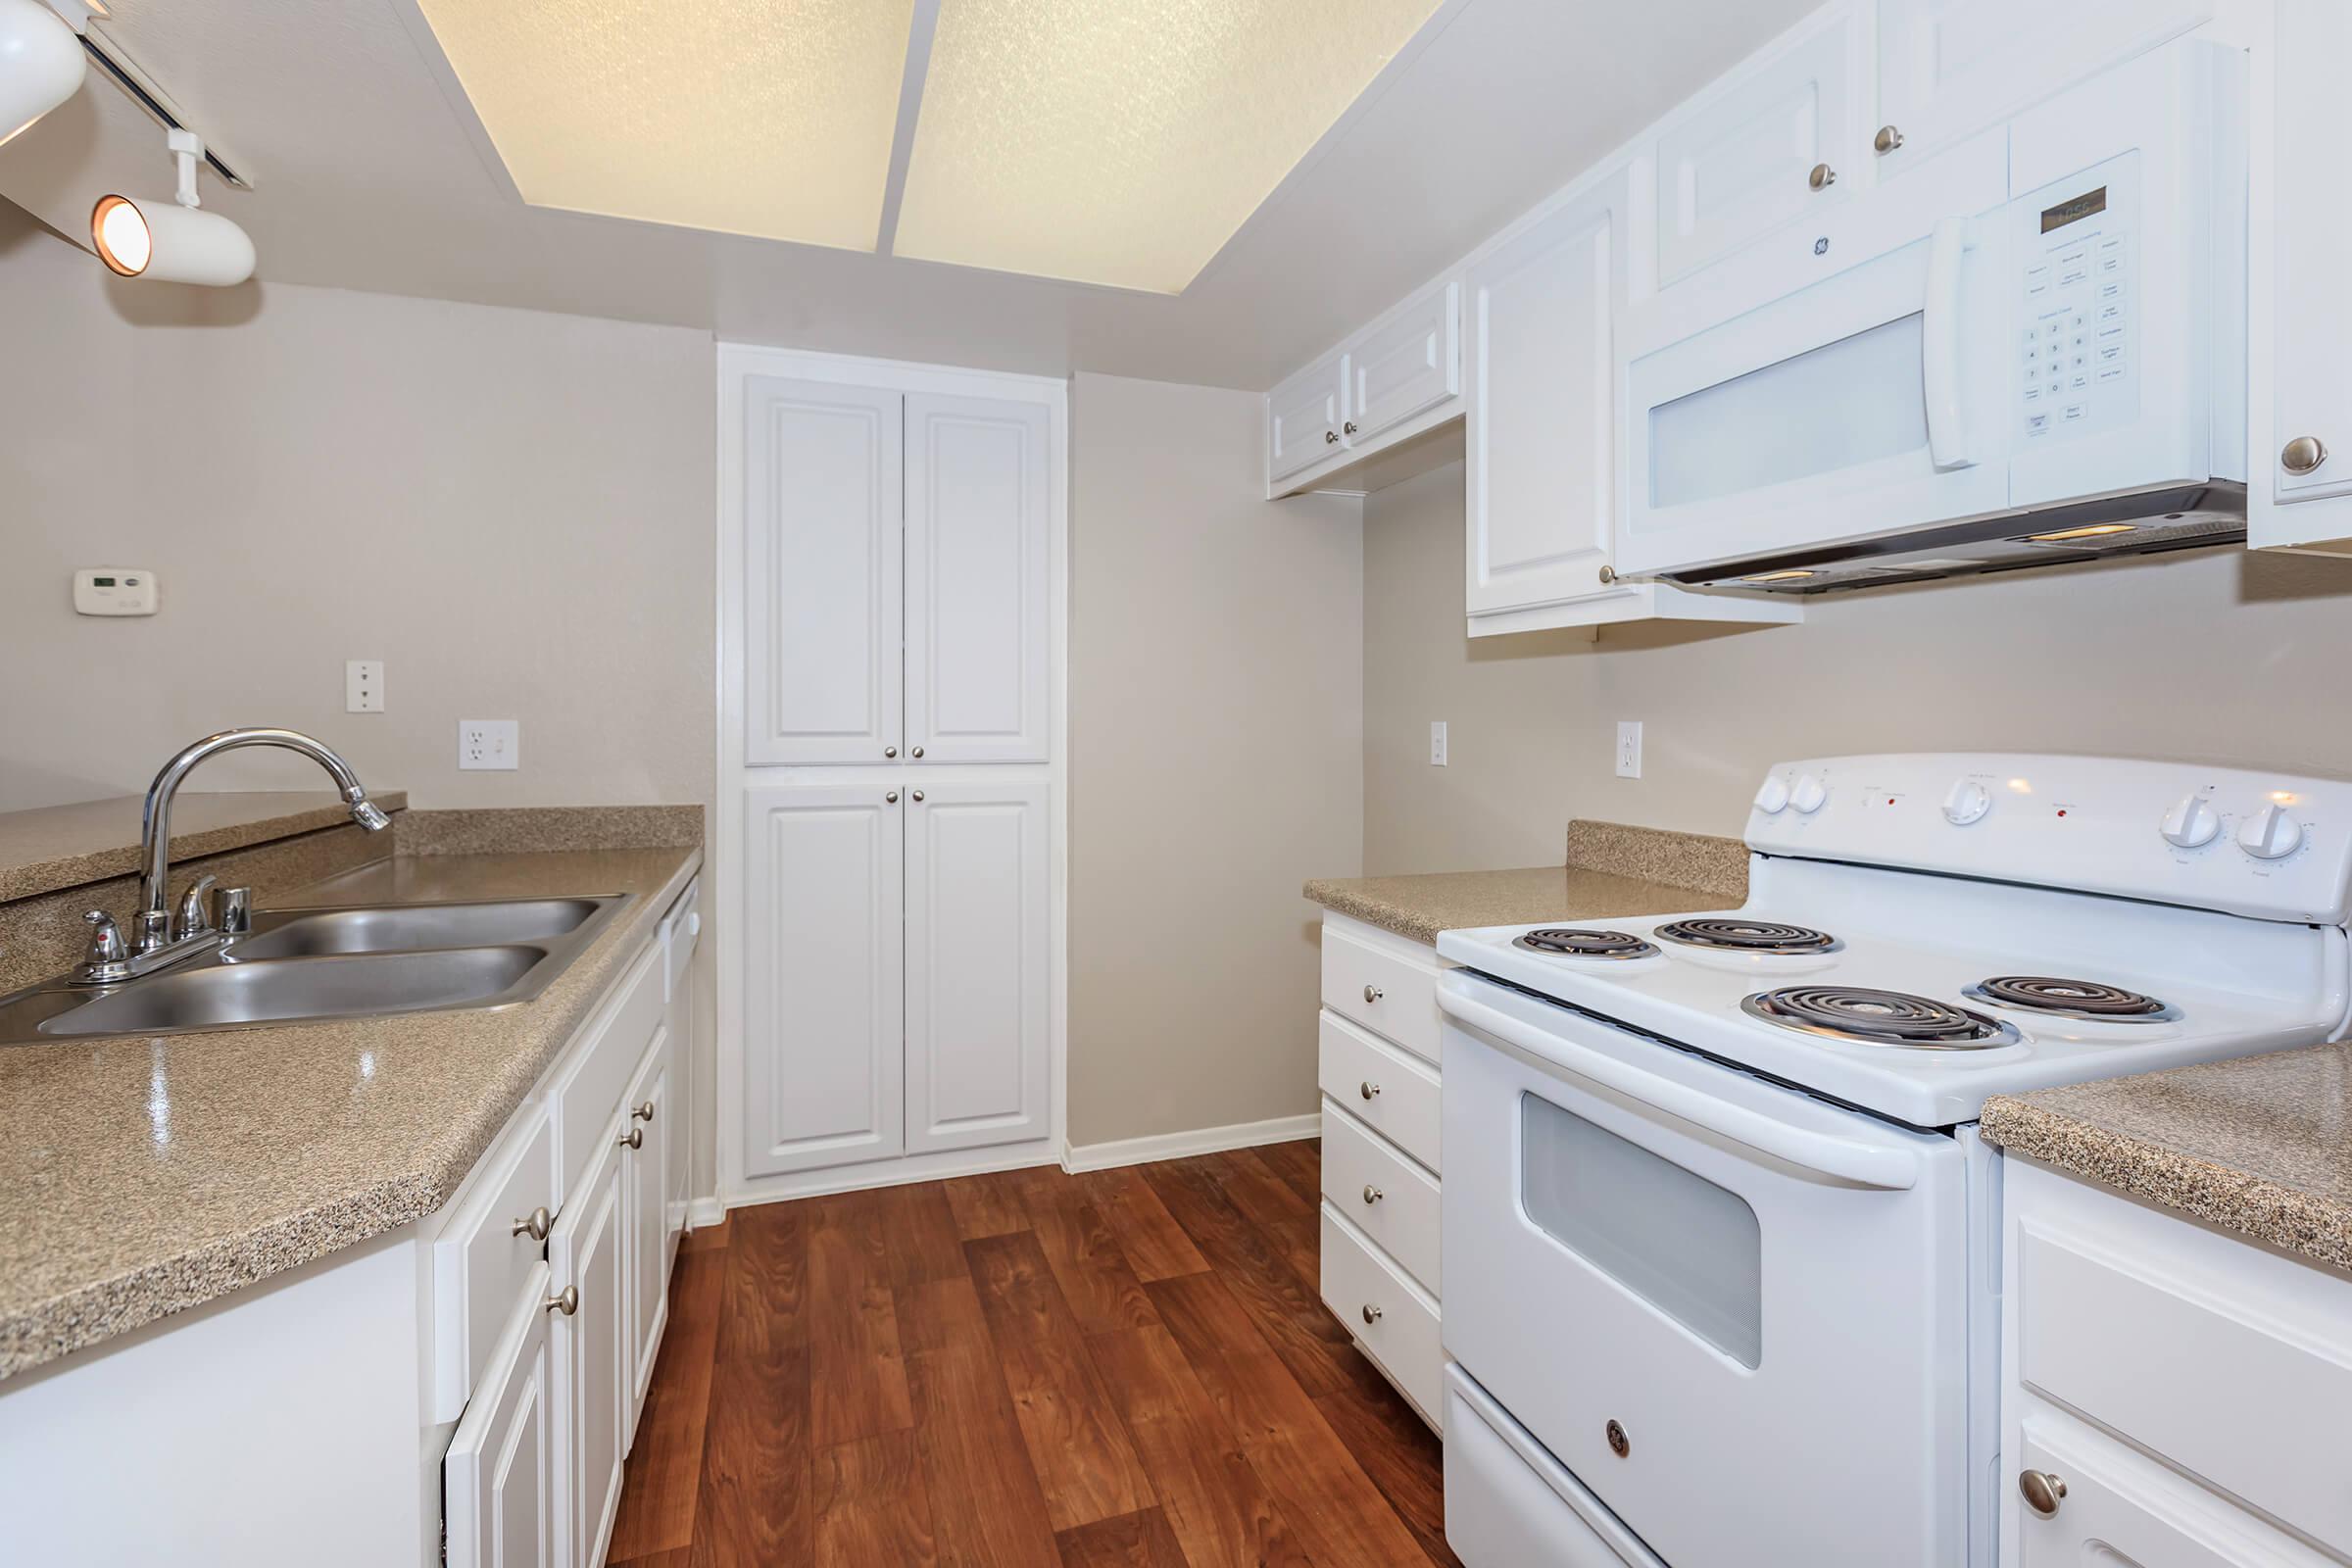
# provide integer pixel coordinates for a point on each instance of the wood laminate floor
(1122, 1369)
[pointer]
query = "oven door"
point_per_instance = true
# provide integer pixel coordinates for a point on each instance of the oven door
(1735, 1312)
(1790, 401)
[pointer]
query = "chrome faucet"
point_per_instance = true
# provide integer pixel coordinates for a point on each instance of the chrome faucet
(157, 940)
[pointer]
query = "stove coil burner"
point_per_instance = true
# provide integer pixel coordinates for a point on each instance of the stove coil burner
(2070, 999)
(1863, 1016)
(1747, 936)
(1583, 943)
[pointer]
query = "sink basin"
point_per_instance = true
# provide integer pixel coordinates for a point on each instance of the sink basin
(278, 990)
(407, 927)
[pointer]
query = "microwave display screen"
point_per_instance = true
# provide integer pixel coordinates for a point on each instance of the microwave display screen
(2067, 211)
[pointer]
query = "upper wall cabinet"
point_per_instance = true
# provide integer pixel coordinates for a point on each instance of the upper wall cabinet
(1303, 418)
(1950, 68)
(1410, 363)
(1774, 145)
(825, 511)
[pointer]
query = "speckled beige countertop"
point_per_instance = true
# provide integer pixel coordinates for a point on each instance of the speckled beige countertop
(145, 1176)
(2261, 1146)
(1612, 870)
(56, 847)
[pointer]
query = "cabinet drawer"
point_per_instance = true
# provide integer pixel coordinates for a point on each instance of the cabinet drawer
(1390, 1091)
(1386, 991)
(1391, 1316)
(1390, 1198)
(2217, 1369)
(1508, 1501)
(587, 1087)
(479, 1258)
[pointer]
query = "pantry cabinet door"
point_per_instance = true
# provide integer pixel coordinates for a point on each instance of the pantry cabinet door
(978, 966)
(822, 969)
(497, 1480)
(1947, 68)
(1303, 418)
(586, 1251)
(1542, 438)
(824, 515)
(978, 529)
(1742, 164)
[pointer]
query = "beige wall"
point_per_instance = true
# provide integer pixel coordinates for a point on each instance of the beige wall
(1216, 760)
(2217, 657)
(511, 509)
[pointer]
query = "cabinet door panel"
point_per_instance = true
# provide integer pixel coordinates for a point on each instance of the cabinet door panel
(1541, 458)
(586, 1251)
(2122, 1511)
(823, 1037)
(1740, 167)
(1303, 418)
(497, 1480)
(646, 1177)
(824, 515)
(978, 521)
(1408, 363)
(977, 966)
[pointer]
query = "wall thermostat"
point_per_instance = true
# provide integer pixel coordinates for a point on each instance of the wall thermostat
(114, 591)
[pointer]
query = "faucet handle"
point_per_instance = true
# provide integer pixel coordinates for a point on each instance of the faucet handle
(236, 911)
(107, 956)
(194, 919)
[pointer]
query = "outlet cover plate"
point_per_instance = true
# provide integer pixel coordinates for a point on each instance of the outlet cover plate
(1628, 747)
(489, 744)
(1437, 743)
(363, 686)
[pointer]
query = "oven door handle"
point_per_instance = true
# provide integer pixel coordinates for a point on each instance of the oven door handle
(1940, 347)
(1847, 1159)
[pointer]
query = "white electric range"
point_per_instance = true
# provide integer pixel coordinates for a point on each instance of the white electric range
(1720, 1238)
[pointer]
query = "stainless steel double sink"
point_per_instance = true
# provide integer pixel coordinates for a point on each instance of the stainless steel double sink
(355, 962)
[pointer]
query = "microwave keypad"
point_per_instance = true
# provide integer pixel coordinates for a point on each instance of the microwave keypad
(2077, 358)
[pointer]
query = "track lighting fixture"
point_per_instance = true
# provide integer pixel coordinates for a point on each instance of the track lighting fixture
(41, 63)
(176, 242)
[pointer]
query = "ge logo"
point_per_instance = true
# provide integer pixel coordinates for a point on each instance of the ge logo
(1821, 246)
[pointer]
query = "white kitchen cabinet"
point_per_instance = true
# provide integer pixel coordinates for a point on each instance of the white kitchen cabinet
(586, 1252)
(823, 523)
(1947, 68)
(977, 537)
(1783, 139)
(1303, 415)
(1409, 363)
(978, 965)
(497, 1480)
(824, 911)
(651, 1124)
(2299, 451)
(2120, 1509)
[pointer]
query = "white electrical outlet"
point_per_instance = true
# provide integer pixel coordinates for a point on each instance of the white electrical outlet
(1628, 747)
(1437, 743)
(489, 743)
(363, 686)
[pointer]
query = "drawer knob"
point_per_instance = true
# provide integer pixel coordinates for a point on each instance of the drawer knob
(1331, 438)
(2042, 1492)
(1349, 427)
(1372, 1194)
(1371, 1313)
(2303, 453)
(566, 1301)
(1368, 1089)
(1373, 993)
(1619, 1443)
(1822, 178)
(1887, 140)
(644, 1112)
(537, 1225)
(634, 1137)
(890, 750)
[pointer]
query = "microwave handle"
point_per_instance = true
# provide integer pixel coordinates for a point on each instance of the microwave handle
(1850, 1159)
(1939, 347)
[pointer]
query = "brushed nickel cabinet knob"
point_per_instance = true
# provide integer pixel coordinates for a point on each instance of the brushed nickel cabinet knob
(2303, 453)
(1349, 427)
(1608, 575)
(1373, 993)
(891, 798)
(1372, 1194)
(917, 752)
(536, 1224)
(634, 1137)
(1331, 438)
(890, 750)
(644, 1112)
(1372, 1314)
(1887, 140)
(2042, 1492)
(1822, 178)
(914, 795)
(567, 1301)
(1368, 1089)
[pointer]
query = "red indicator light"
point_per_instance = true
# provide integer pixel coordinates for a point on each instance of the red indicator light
(2062, 811)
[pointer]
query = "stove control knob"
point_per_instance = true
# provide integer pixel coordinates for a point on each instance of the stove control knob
(2269, 834)
(2191, 823)
(1773, 798)
(1968, 803)
(1808, 795)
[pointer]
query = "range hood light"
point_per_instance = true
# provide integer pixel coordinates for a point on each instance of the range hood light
(2095, 530)
(1778, 576)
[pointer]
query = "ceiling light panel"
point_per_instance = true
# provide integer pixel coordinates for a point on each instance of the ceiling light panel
(1123, 141)
(771, 118)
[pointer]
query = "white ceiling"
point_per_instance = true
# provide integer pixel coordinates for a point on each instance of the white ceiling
(370, 171)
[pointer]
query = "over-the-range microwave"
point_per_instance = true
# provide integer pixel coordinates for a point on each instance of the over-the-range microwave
(2030, 349)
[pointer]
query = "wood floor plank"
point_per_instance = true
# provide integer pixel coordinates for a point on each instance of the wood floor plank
(1284, 1219)
(1156, 1247)
(857, 1381)
(1339, 1513)
(763, 1305)
(1080, 1452)
(1089, 1264)
(1401, 1455)
(1141, 1539)
(987, 1204)
(683, 1557)
(1298, 1162)
(753, 1507)
(872, 1506)
(664, 1471)
(1218, 1508)
(987, 1508)
(920, 1238)
(708, 1238)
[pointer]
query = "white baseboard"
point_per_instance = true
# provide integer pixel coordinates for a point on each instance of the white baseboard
(705, 1211)
(1200, 1141)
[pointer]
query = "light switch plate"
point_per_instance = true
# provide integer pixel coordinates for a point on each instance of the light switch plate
(1628, 747)
(363, 686)
(1437, 743)
(114, 591)
(491, 744)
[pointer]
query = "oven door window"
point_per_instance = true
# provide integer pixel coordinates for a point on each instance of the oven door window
(1844, 403)
(1688, 1248)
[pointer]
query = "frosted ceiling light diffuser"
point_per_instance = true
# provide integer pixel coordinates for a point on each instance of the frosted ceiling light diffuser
(770, 118)
(1123, 141)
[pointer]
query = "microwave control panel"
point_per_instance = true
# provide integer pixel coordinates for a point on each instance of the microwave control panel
(2077, 340)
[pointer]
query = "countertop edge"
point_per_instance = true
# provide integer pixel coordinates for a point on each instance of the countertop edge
(90, 1314)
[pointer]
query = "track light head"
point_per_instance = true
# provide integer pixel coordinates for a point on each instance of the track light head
(174, 242)
(41, 63)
